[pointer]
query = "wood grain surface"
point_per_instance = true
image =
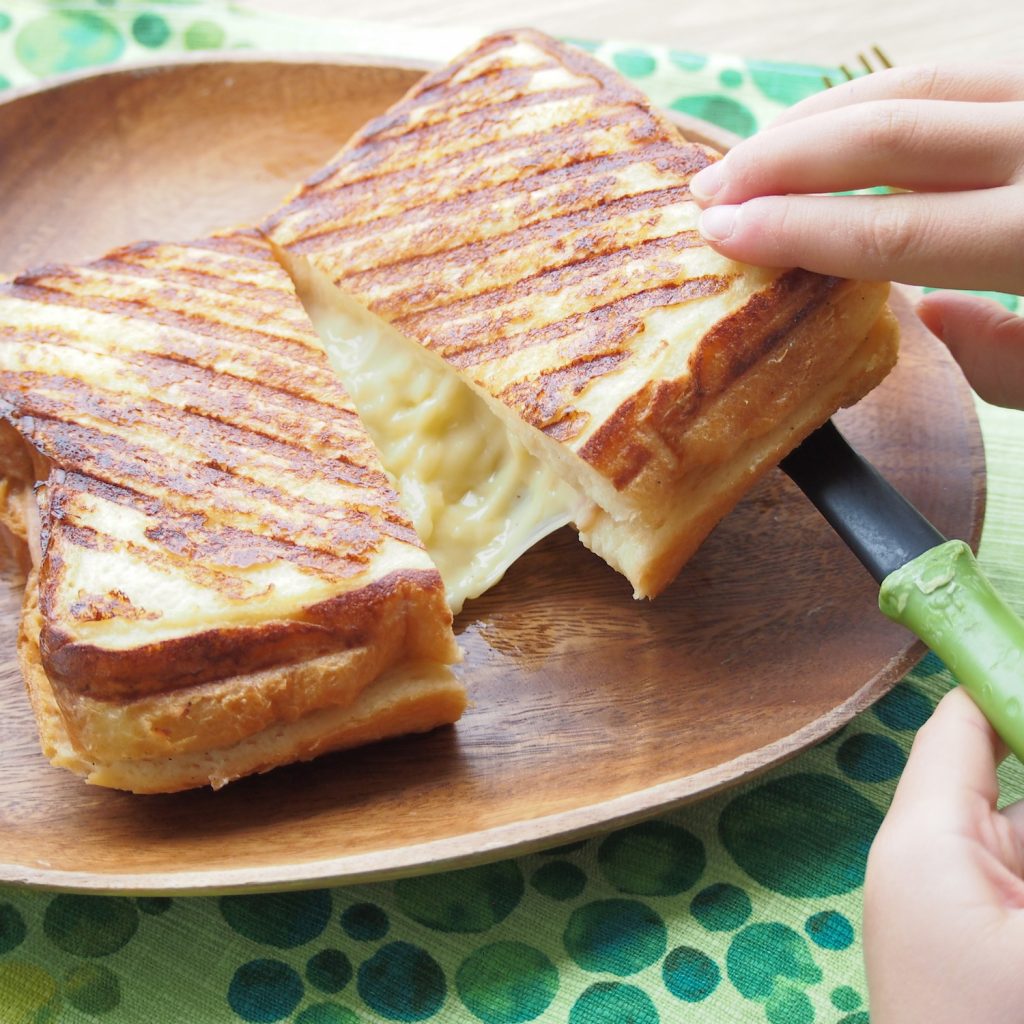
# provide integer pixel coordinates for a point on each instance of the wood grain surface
(590, 710)
(805, 31)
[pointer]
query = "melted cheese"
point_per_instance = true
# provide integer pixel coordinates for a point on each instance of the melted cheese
(477, 498)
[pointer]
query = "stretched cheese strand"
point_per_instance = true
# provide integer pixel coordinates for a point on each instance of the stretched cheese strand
(477, 498)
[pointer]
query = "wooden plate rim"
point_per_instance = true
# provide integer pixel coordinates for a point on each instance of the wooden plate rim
(140, 68)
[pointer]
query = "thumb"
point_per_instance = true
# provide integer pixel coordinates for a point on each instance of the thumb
(985, 338)
(951, 764)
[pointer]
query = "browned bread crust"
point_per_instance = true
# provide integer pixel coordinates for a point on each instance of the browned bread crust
(766, 415)
(414, 697)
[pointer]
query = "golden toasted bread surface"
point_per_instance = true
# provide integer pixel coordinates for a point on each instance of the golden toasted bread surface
(519, 212)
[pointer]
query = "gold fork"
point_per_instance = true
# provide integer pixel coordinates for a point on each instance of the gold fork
(880, 57)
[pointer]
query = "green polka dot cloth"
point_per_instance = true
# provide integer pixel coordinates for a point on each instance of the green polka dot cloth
(743, 907)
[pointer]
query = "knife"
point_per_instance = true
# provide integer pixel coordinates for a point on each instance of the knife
(932, 586)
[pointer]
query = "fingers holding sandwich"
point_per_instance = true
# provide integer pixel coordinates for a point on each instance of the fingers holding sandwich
(959, 240)
(952, 137)
(916, 144)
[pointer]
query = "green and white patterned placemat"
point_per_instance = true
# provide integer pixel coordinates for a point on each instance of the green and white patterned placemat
(743, 907)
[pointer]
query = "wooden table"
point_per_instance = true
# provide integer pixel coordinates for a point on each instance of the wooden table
(810, 31)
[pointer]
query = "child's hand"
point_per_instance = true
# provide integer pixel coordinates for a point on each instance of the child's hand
(944, 899)
(955, 138)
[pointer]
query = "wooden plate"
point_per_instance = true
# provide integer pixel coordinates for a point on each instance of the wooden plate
(590, 710)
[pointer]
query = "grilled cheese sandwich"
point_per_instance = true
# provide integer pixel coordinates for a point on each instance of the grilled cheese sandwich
(523, 214)
(224, 579)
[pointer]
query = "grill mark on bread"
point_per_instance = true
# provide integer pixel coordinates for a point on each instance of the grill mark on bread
(291, 377)
(218, 490)
(739, 341)
(578, 236)
(600, 350)
(490, 94)
(520, 159)
(58, 287)
(198, 388)
(573, 184)
(91, 539)
(493, 83)
(188, 545)
(493, 315)
(389, 138)
(604, 328)
(212, 436)
(245, 243)
(249, 405)
(545, 401)
(224, 275)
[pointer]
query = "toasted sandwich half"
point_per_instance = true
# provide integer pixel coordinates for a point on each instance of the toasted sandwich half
(222, 577)
(523, 216)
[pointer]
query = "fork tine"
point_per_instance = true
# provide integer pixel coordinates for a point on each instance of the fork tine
(881, 56)
(865, 63)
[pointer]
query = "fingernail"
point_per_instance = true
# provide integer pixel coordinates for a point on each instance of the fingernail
(706, 184)
(717, 224)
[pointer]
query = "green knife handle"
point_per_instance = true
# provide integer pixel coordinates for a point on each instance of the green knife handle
(944, 597)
